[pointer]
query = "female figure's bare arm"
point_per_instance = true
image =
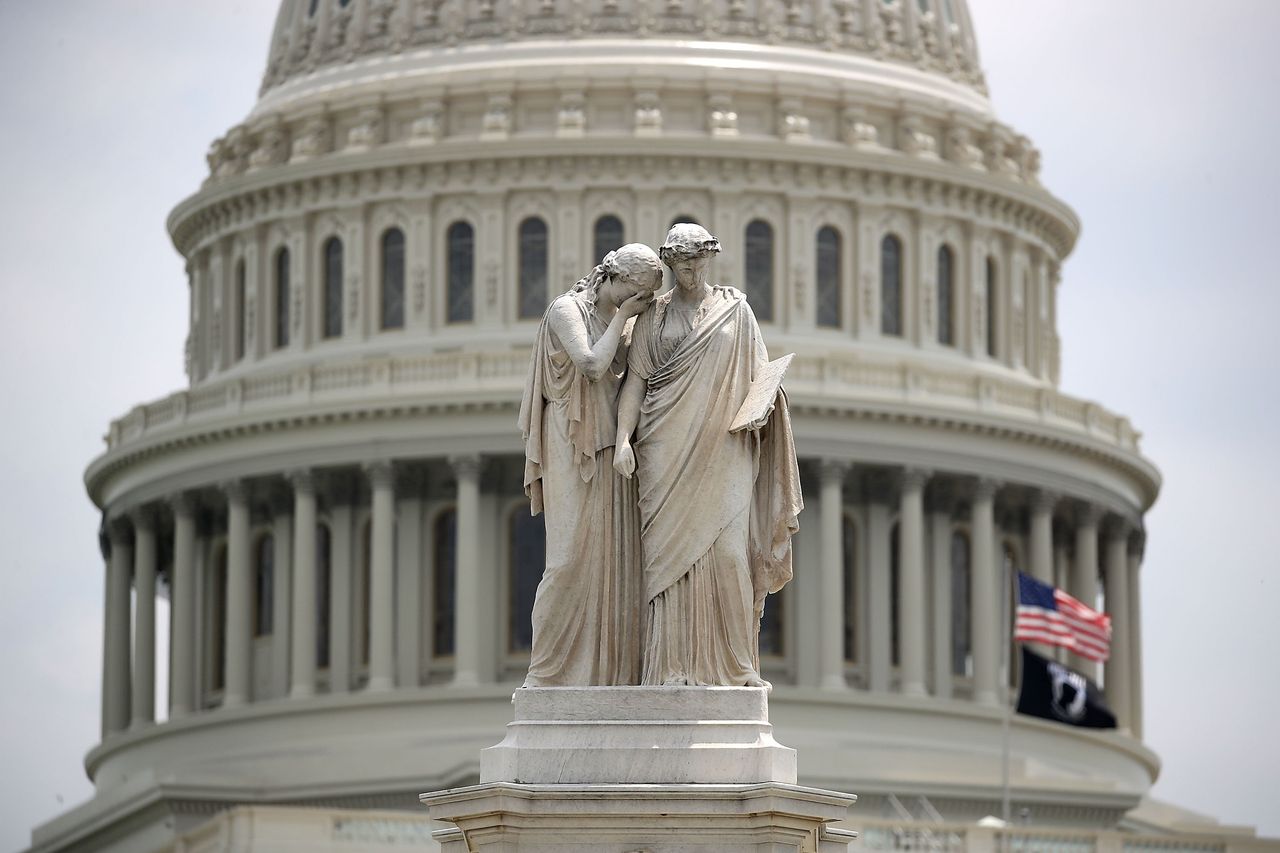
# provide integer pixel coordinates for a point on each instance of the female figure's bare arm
(566, 322)
(629, 400)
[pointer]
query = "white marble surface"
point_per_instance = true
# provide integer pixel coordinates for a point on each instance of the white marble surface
(512, 818)
(639, 735)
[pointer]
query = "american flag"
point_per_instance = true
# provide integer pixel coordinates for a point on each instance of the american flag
(1049, 615)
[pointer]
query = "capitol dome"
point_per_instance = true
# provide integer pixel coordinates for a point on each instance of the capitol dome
(334, 505)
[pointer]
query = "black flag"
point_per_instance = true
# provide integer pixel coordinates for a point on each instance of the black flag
(1054, 692)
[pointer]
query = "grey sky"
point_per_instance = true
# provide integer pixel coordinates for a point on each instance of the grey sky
(1157, 123)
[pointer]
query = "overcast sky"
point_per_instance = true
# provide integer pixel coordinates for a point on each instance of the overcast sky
(1157, 122)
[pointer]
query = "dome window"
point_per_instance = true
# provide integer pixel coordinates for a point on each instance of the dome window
(849, 564)
(828, 263)
(460, 240)
(324, 575)
(891, 285)
(393, 279)
(961, 635)
(264, 585)
(946, 297)
(282, 298)
(527, 542)
(608, 236)
(241, 310)
(533, 269)
(759, 271)
(332, 326)
(993, 303)
(444, 571)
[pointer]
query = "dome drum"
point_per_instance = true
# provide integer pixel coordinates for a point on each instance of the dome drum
(933, 35)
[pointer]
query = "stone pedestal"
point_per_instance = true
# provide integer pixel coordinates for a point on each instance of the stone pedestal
(640, 770)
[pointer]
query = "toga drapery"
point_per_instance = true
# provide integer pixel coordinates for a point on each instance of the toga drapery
(587, 611)
(717, 509)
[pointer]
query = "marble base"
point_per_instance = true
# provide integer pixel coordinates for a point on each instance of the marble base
(503, 817)
(639, 735)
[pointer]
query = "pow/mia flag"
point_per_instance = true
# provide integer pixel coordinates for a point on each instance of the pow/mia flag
(1054, 692)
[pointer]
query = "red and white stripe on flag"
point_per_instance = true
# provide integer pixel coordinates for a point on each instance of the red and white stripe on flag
(1071, 625)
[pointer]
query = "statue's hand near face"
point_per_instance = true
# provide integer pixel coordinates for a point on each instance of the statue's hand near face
(624, 460)
(634, 305)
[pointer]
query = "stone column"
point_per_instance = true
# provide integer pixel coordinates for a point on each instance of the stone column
(341, 589)
(911, 594)
(1084, 575)
(409, 614)
(879, 637)
(831, 615)
(382, 616)
(144, 637)
(302, 675)
(985, 594)
(1042, 504)
(1042, 536)
(1062, 580)
(182, 642)
(1118, 670)
(1135, 642)
(470, 614)
(115, 645)
(239, 629)
(282, 600)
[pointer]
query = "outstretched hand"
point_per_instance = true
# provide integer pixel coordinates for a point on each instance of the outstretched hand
(624, 460)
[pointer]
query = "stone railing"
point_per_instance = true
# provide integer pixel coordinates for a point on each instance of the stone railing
(813, 383)
(960, 838)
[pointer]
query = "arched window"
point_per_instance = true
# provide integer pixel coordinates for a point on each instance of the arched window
(533, 268)
(393, 279)
(324, 576)
(242, 311)
(891, 285)
(993, 303)
(282, 297)
(444, 574)
(461, 243)
(771, 627)
(683, 217)
(264, 583)
(827, 278)
(895, 598)
(849, 553)
(527, 539)
(961, 634)
(332, 326)
(759, 272)
(218, 621)
(608, 236)
(946, 297)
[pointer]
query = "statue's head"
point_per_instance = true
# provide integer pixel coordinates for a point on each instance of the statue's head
(632, 269)
(687, 241)
(635, 266)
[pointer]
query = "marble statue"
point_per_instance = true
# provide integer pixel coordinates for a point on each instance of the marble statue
(587, 611)
(718, 507)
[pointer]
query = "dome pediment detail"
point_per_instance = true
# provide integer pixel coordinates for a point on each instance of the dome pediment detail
(930, 35)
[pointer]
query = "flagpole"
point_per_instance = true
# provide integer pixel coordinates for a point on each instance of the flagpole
(1005, 723)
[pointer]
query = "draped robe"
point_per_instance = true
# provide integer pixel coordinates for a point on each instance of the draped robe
(587, 609)
(717, 509)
